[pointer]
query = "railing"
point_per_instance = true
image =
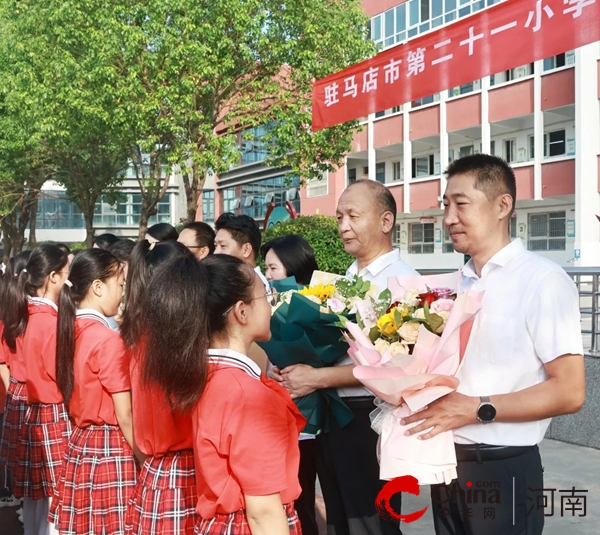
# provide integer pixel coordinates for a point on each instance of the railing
(587, 281)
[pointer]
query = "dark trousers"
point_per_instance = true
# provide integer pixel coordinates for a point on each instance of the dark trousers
(482, 500)
(349, 476)
(305, 504)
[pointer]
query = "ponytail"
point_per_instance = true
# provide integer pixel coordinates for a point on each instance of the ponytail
(88, 266)
(65, 342)
(144, 260)
(41, 263)
(178, 335)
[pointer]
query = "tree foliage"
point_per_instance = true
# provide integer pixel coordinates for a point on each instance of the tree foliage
(321, 232)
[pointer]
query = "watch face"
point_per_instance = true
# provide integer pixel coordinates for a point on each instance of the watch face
(486, 412)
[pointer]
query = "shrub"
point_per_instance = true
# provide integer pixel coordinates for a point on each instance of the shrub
(322, 233)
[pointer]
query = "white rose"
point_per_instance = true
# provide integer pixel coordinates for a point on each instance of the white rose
(313, 298)
(381, 345)
(398, 349)
(444, 314)
(419, 314)
(409, 331)
(411, 298)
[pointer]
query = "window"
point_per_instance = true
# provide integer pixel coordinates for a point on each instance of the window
(493, 147)
(351, 176)
(397, 171)
(447, 246)
(510, 150)
(208, 205)
(555, 62)
(396, 236)
(422, 166)
(127, 209)
(380, 114)
(518, 72)
(547, 232)
(230, 200)
(317, 187)
(380, 172)
(531, 147)
(555, 143)
(465, 151)
(55, 211)
(252, 144)
(397, 109)
(421, 238)
(513, 226)
(425, 100)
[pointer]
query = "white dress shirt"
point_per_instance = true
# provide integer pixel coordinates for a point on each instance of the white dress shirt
(377, 273)
(529, 316)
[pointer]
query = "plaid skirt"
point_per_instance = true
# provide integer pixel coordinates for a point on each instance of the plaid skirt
(237, 523)
(14, 415)
(165, 498)
(96, 483)
(42, 444)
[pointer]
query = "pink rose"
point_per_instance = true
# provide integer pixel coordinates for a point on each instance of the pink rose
(336, 306)
(442, 305)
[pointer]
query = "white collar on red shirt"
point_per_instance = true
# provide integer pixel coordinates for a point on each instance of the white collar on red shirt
(91, 314)
(229, 357)
(42, 301)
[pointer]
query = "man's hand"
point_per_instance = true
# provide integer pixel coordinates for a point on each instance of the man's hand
(300, 380)
(449, 412)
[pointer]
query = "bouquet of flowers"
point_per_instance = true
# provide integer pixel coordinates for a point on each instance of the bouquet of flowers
(305, 330)
(407, 346)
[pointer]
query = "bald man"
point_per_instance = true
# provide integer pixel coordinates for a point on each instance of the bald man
(348, 467)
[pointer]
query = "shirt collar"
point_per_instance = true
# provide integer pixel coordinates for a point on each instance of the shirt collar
(42, 301)
(91, 314)
(377, 266)
(229, 357)
(500, 259)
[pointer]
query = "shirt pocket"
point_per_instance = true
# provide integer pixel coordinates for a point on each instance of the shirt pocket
(497, 335)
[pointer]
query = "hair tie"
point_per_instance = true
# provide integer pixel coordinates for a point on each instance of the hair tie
(152, 245)
(69, 283)
(24, 270)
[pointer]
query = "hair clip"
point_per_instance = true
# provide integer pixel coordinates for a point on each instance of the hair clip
(24, 270)
(152, 245)
(69, 283)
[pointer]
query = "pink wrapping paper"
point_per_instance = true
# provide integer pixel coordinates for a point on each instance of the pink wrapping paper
(408, 383)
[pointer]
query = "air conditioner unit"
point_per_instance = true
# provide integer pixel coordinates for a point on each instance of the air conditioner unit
(246, 146)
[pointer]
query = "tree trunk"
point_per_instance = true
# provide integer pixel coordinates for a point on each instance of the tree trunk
(193, 183)
(88, 215)
(144, 216)
(33, 221)
(6, 241)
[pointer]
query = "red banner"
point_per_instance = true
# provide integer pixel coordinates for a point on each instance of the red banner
(496, 39)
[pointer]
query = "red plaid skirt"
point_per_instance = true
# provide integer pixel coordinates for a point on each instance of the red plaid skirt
(165, 497)
(96, 483)
(14, 415)
(237, 523)
(42, 443)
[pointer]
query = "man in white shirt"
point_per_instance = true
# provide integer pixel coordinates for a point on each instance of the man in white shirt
(239, 236)
(522, 366)
(348, 469)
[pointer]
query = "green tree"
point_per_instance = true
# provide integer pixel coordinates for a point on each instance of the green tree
(201, 70)
(322, 233)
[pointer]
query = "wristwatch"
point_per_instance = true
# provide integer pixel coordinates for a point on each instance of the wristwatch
(486, 412)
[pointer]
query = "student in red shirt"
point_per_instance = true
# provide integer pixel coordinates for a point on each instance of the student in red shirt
(30, 332)
(99, 471)
(245, 426)
(164, 502)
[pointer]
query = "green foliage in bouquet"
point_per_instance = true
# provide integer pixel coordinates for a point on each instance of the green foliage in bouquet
(321, 232)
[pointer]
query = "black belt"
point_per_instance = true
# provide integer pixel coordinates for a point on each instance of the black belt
(359, 402)
(486, 452)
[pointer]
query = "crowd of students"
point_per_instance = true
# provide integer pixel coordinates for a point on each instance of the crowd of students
(162, 424)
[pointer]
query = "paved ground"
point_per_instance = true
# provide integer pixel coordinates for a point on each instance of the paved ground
(565, 466)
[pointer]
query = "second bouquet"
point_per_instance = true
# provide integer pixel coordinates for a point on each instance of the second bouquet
(408, 345)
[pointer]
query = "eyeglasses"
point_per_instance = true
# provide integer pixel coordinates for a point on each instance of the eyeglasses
(271, 295)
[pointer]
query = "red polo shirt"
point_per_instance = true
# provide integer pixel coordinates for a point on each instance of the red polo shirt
(39, 352)
(157, 430)
(101, 369)
(246, 431)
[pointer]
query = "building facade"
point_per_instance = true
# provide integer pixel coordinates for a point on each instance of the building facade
(543, 118)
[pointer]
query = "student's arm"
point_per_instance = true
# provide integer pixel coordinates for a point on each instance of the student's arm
(266, 515)
(5, 375)
(302, 380)
(122, 401)
(562, 393)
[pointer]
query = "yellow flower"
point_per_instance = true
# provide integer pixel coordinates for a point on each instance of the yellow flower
(321, 291)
